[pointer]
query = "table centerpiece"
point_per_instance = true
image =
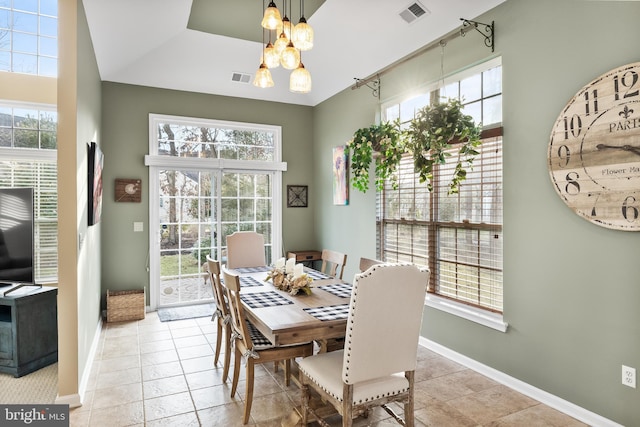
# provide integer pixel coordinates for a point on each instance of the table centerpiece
(290, 277)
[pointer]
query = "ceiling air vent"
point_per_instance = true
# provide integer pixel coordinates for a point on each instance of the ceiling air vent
(412, 12)
(240, 77)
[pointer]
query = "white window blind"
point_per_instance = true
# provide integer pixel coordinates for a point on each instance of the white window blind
(28, 159)
(458, 236)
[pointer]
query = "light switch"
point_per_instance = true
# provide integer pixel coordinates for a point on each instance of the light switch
(138, 226)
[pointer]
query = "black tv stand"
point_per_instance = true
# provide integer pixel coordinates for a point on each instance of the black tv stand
(28, 330)
(17, 286)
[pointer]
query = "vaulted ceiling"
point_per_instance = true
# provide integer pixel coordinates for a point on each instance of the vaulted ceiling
(197, 45)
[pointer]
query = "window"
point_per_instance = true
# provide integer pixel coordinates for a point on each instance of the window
(209, 178)
(459, 236)
(28, 159)
(29, 37)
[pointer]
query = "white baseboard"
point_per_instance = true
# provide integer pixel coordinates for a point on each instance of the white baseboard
(75, 400)
(542, 396)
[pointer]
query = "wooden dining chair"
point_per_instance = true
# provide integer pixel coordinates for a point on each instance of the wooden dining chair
(245, 249)
(254, 347)
(332, 262)
(379, 365)
(365, 263)
(221, 316)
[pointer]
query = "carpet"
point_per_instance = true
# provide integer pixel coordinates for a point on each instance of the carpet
(39, 387)
(185, 312)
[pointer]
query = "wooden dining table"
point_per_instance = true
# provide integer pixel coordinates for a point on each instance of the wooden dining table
(293, 319)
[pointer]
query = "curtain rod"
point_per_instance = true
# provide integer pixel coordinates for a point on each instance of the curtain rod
(443, 41)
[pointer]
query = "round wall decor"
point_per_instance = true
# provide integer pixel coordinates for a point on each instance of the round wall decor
(594, 150)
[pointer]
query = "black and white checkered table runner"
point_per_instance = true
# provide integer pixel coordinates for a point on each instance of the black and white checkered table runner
(315, 274)
(342, 290)
(248, 270)
(264, 299)
(332, 312)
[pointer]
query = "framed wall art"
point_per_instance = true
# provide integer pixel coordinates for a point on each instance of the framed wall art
(297, 196)
(340, 177)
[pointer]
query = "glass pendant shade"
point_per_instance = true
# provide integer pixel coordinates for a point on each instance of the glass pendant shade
(285, 26)
(303, 35)
(263, 77)
(271, 57)
(300, 80)
(271, 17)
(290, 58)
(281, 44)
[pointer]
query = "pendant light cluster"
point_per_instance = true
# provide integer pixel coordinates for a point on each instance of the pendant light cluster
(285, 51)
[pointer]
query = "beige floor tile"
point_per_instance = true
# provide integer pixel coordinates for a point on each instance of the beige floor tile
(119, 363)
(537, 416)
(153, 335)
(115, 396)
(229, 415)
(197, 351)
(155, 346)
(271, 408)
(196, 340)
(159, 357)
(163, 370)
(116, 416)
(185, 332)
(198, 364)
(168, 406)
(492, 404)
(204, 379)
(117, 378)
(164, 386)
(189, 419)
(211, 396)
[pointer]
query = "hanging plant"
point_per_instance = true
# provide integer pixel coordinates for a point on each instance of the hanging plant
(383, 141)
(432, 134)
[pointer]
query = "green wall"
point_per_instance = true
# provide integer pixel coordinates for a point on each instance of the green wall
(571, 288)
(125, 134)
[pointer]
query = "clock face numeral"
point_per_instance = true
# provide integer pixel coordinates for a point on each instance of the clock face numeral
(594, 150)
(629, 209)
(591, 99)
(627, 82)
(572, 126)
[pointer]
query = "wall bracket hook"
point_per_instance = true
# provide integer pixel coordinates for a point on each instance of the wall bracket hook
(488, 32)
(374, 85)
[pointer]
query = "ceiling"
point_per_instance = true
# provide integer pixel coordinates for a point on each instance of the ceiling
(196, 45)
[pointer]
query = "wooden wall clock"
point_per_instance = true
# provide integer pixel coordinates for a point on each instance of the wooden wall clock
(128, 190)
(594, 150)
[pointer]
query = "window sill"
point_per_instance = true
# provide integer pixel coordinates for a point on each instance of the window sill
(473, 314)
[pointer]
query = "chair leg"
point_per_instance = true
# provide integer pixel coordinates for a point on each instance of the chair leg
(347, 406)
(227, 354)
(248, 400)
(236, 372)
(218, 343)
(409, 405)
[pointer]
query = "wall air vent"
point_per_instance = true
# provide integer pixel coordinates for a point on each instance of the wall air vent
(240, 77)
(412, 12)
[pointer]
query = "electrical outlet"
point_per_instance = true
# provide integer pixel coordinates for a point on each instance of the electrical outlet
(628, 376)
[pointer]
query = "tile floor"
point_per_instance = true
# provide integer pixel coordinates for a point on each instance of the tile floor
(150, 373)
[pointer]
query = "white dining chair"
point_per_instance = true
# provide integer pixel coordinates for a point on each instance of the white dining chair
(245, 249)
(378, 363)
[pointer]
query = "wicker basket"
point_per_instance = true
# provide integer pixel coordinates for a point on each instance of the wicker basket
(125, 305)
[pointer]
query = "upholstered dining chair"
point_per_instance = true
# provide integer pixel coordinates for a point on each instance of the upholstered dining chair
(254, 347)
(365, 263)
(245, 249)
(221, 316)
(332, 262)
(379, 361)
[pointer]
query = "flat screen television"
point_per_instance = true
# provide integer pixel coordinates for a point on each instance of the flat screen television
(16, 236)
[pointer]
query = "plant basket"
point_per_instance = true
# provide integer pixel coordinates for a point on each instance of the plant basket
(125, 305)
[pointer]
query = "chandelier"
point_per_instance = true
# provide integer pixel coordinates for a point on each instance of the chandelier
(289, 41)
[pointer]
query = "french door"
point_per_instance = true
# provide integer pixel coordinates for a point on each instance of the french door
(196, 210)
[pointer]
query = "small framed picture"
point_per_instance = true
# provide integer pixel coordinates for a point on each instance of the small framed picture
(297, 196)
